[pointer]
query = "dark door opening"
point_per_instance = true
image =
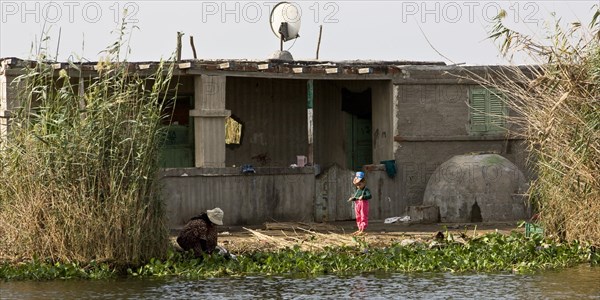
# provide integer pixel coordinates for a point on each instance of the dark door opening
(177, 151)
(359, 143)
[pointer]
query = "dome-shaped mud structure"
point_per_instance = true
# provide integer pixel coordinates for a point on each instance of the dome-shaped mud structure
(478, 188)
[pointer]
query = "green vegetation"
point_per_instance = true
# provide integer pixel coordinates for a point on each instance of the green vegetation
(78, 169)
(47, 270)
(559, 114)
(489, 253)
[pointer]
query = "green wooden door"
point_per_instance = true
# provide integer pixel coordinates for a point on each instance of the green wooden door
(360, 143)
(177, 150)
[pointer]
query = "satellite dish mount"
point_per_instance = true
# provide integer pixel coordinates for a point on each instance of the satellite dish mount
(285, 23)
(284, 35)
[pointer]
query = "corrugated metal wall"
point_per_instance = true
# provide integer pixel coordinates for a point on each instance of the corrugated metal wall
(271, 194)
(333, 189)
(273, 113)
(329, 131)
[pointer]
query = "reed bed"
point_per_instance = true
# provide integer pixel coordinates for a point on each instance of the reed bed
(557, 105)
(78, 170)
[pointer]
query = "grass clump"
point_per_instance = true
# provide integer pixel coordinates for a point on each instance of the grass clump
(78, 168)
(558, 109)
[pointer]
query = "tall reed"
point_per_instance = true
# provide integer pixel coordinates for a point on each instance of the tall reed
(78, 173)
(558, 107)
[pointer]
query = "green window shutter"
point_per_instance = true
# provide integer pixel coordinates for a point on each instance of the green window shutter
(477, 110)
(497, 112)
(487, 112)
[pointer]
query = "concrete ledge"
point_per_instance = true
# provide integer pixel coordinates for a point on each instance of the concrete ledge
(455, 138)
(374, 167)
(228, 171)
(210, 113)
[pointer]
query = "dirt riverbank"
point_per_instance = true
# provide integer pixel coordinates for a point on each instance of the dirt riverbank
(312, 236)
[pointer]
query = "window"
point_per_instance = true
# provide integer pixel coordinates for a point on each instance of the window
(487, 111)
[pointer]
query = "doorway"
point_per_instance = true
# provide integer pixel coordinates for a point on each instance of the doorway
(358, 121)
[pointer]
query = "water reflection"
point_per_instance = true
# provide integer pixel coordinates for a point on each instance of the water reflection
(580, 283)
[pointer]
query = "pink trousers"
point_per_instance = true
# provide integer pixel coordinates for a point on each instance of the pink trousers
(361, 208)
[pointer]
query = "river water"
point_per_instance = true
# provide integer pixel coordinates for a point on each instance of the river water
(582, 282)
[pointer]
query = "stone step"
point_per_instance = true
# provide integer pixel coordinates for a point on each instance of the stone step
(423, 214)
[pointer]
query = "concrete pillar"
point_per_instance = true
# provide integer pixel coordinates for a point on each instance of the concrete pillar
(209, 120)
(7, 101)
(3, 106)
(396, 94)
(310, 119)
(383, 121)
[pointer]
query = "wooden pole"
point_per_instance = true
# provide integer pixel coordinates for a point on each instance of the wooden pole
(179, 34)
(319, 42)
(58, 44)
(193, 47)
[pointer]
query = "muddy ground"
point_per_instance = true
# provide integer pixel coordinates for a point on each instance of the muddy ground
(314, 236)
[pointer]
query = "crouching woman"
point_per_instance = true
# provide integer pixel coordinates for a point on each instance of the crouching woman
(200, 233)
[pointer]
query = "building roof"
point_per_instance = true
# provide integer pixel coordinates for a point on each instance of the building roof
(348, 69)
(400, 72)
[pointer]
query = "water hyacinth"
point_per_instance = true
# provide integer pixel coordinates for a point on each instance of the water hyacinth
(488, 253)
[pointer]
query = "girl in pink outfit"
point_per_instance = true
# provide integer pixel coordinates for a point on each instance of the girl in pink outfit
(361, 202)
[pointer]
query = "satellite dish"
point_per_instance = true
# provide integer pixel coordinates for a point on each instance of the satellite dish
(285, 21)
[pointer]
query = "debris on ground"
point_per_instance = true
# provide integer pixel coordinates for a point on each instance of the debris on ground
(309, 240)
(391, 220)
(297, 225)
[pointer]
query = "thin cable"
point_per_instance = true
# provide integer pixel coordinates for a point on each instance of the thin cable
(292, 44)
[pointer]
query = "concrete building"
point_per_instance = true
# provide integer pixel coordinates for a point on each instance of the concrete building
(342, 116)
